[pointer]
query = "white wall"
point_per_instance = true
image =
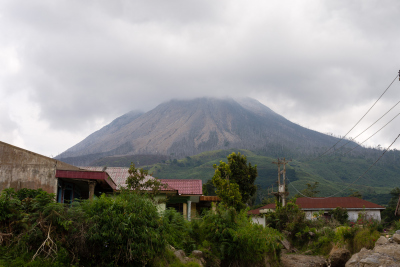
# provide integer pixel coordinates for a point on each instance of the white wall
(353, 214)
(370, 214)
(258, 220)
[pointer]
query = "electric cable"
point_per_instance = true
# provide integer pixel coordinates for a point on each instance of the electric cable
(362, 175)
(358, 145)
(372, 125)
(397, 75)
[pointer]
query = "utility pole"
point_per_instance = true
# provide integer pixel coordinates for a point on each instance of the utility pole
(281, 194)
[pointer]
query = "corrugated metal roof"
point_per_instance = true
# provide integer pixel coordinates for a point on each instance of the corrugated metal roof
(118, 174)
(185, 186)
(87, 175)
(327, 203)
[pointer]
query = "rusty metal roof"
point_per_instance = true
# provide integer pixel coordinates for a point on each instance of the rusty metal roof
(334, 202)
(210, 198)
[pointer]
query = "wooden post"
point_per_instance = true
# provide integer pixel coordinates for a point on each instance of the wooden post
(185, 210)
(92, 185)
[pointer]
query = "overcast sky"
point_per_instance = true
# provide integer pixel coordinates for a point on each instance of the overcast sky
(69, 67)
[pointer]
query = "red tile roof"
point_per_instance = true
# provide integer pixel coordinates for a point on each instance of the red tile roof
(327, 203)
(185, 186)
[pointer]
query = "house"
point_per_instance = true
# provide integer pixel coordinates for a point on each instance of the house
(20, 168)
(311, 206)
(184, 195)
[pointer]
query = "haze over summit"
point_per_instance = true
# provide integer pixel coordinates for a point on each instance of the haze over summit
(69, 69)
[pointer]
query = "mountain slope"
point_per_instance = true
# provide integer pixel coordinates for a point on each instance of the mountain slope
(180, 128)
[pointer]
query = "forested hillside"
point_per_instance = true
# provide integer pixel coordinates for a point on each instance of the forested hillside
(332, 173)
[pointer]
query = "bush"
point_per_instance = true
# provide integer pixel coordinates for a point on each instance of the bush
(123, 229)
(236, 240)
(177, 231)
(291, 219)
(365, 238)
(340, 214)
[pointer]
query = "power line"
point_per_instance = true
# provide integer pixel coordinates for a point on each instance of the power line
(372, 134)
(354, 180)
(373, 125)
(397, 75)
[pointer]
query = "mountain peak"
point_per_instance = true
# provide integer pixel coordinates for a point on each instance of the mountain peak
(181, 128)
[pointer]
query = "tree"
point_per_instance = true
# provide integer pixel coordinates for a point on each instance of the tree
(310, 191)
(140, 181)
(388, 214)
(209, 189)
(355, 194)
(235, 180)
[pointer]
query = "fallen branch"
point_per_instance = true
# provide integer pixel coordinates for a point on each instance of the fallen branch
(48, 247)
(1, 237)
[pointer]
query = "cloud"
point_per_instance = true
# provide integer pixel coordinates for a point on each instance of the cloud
(81, 64)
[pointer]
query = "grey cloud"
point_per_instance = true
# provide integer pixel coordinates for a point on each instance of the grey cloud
(99, 59)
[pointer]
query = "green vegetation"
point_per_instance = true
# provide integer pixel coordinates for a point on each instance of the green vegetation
(107, 231)
(321, 235)
(123, 230)
(234, 181)
(138, 183)
(236, 241)
(239, 172)
(310, 191)
(332, 172)
(340, 214)
(388, 213)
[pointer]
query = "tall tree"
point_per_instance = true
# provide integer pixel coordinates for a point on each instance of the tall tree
(236, 174)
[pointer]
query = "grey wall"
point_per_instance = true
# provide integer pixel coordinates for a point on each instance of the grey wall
(20, 168)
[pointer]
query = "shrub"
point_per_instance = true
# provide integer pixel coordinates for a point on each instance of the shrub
(291, 219)
(236, 240)
(340, 214)
(177, 230)
(123, 229)
(365, 238)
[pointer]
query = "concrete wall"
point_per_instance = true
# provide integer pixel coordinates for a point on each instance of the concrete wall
(370, 214)
(258, 220)
(20, 168)
(353, 215)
